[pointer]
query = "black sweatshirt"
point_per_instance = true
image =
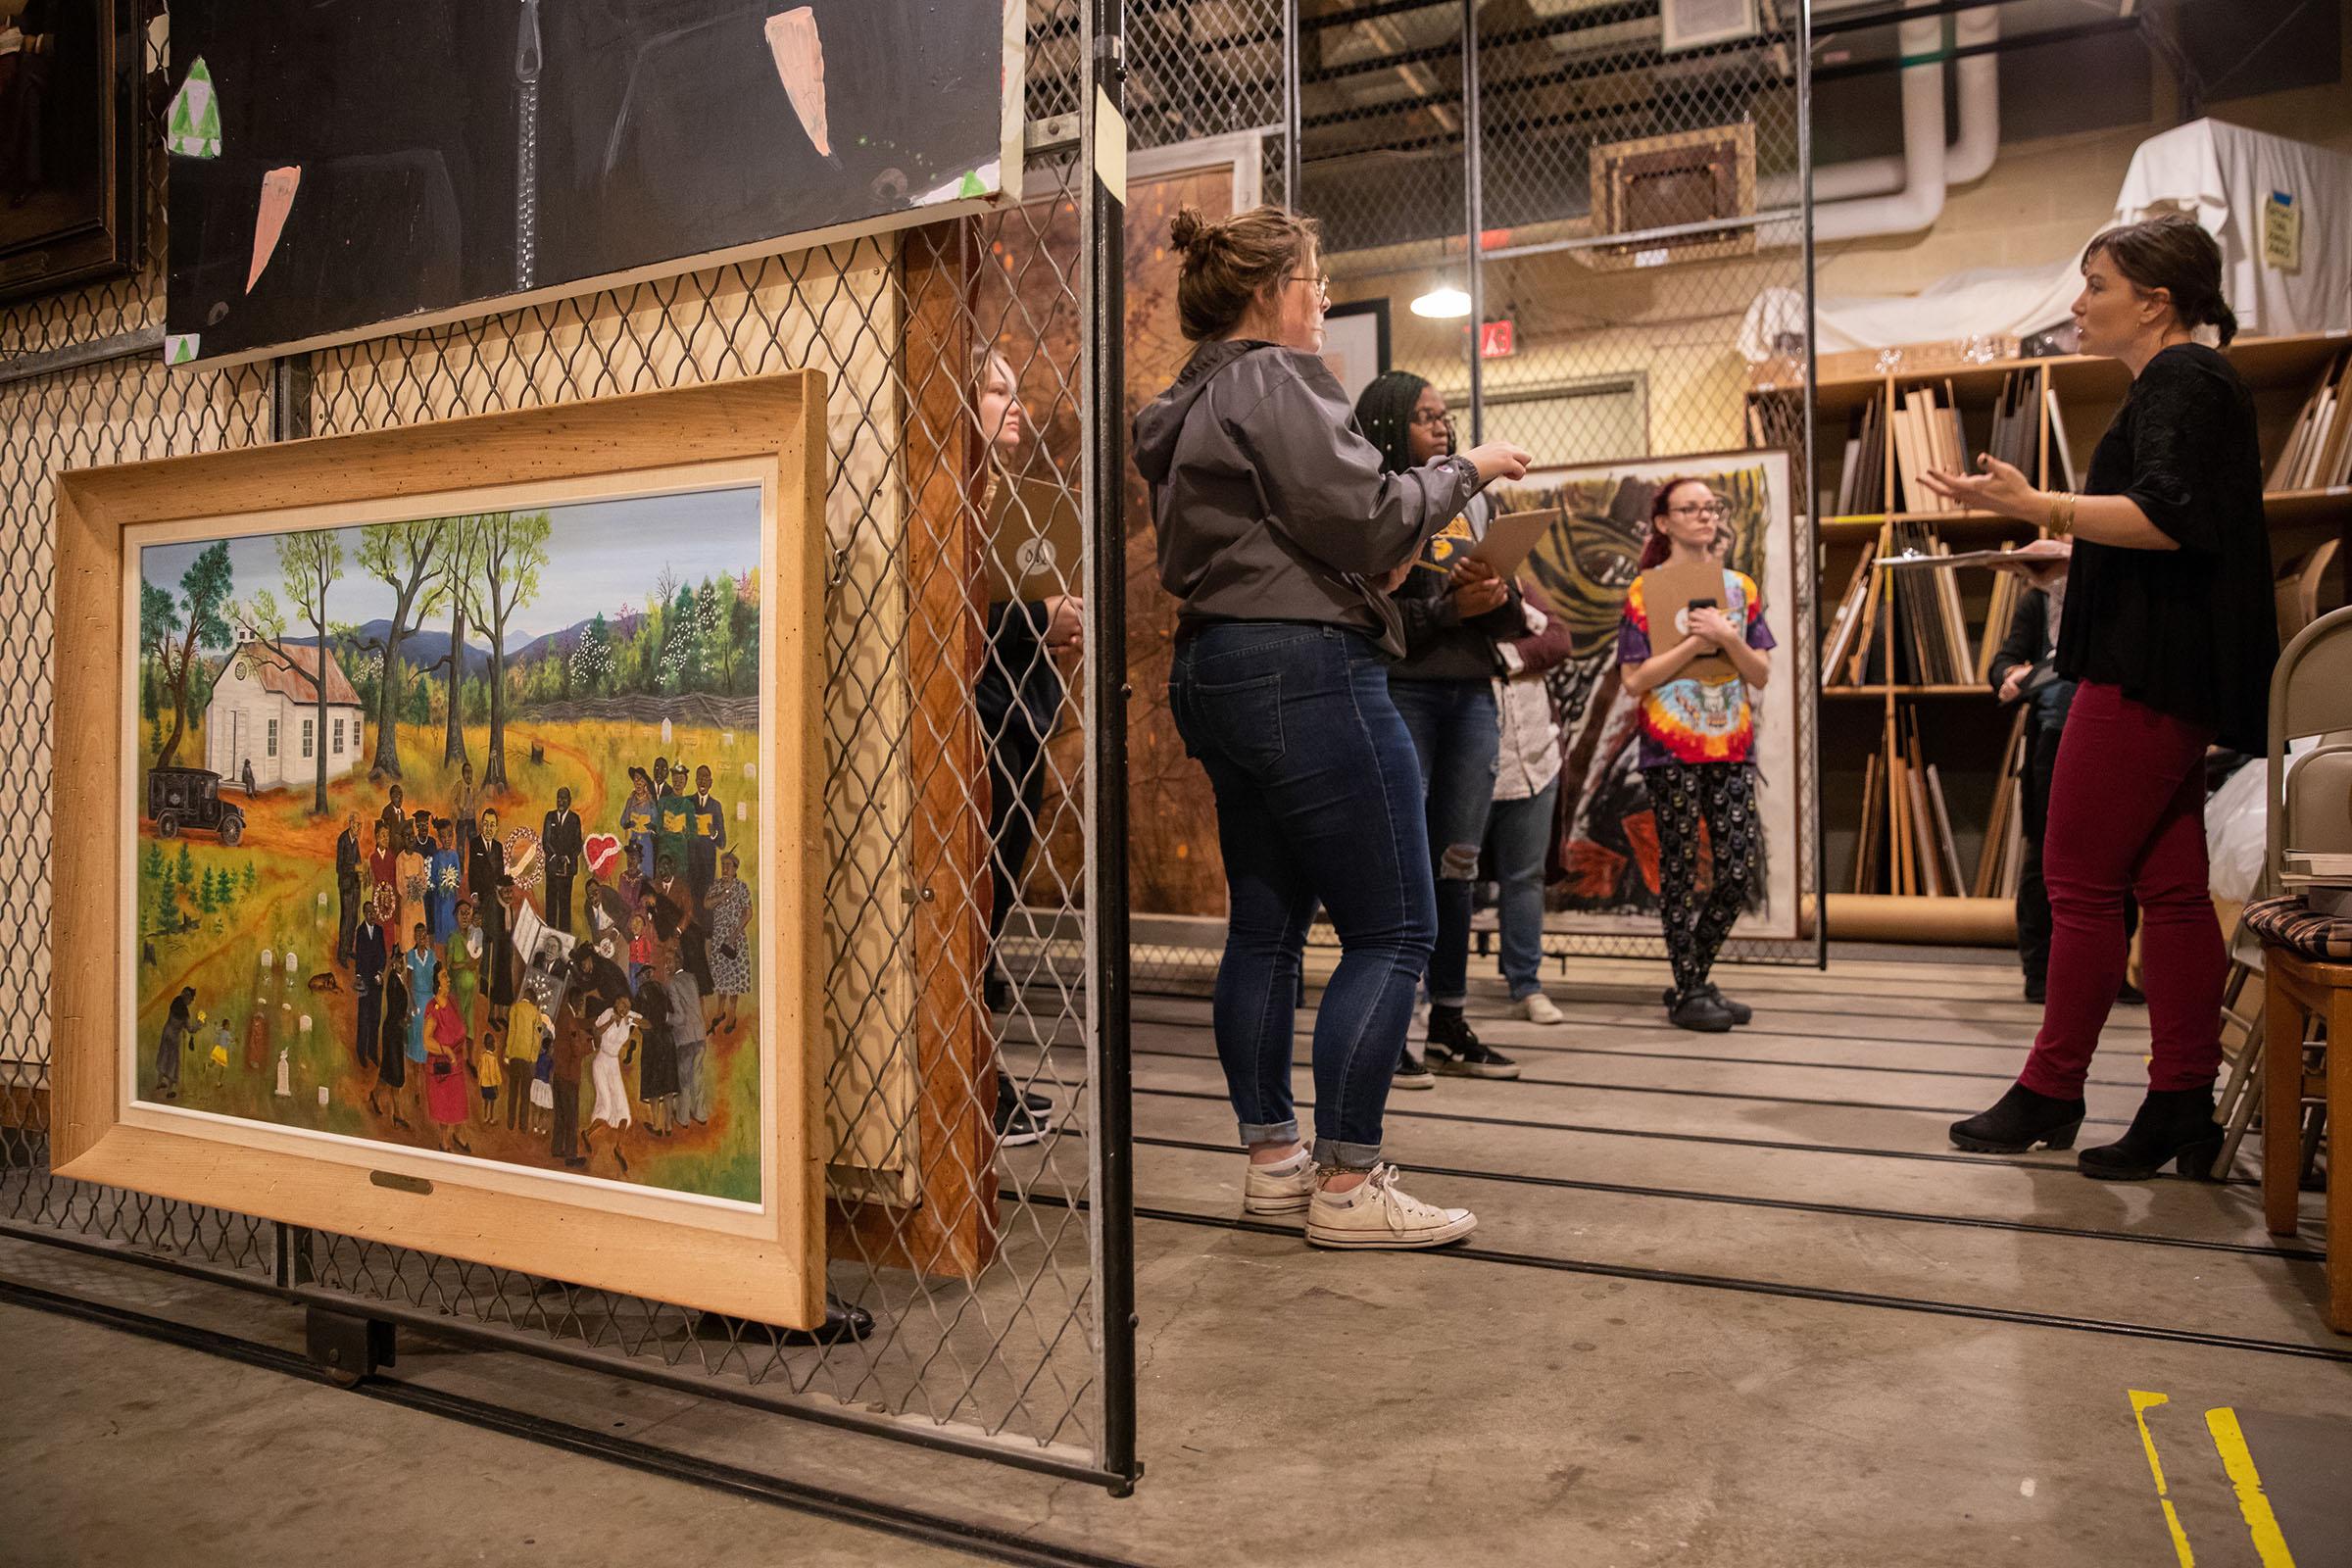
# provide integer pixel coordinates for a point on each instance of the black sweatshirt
(2190, 632)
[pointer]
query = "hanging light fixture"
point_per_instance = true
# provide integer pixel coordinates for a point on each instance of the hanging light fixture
(1443, 303)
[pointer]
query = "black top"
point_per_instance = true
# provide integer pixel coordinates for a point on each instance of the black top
(2190, 632)
(1439, 644)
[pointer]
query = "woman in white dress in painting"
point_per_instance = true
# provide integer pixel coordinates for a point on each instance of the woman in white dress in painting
(613, 1028)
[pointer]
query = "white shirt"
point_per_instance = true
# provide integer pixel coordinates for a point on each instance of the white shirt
(1529, 757)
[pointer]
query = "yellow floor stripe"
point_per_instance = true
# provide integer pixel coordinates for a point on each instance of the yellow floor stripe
(2231, 1443)
(2141, 1403)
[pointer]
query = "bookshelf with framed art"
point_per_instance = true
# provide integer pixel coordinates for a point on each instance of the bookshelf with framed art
(1921, 825)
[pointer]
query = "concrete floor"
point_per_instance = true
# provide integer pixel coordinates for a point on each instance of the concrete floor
(1734, 1299)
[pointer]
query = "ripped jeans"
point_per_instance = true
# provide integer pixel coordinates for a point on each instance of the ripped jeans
(1456, 734)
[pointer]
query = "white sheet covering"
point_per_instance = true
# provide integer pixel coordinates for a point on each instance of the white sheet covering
(2223, 174)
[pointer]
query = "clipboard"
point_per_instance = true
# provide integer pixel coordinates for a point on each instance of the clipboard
(1966, 558)
(1667, 590)
(1036, 540)
(1512, 538)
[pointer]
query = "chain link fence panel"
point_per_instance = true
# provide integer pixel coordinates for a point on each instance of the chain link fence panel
(959, 1030)
(1624, 274)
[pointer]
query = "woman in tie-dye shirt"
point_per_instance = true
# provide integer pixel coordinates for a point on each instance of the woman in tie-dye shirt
(1697, 736)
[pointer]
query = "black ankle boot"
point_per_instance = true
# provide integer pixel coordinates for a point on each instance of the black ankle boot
(2173, 1125)
(2021, 1119)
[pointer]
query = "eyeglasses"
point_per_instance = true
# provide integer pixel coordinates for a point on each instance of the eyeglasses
(1432, 421)
(1321, 280)
(1699, 509)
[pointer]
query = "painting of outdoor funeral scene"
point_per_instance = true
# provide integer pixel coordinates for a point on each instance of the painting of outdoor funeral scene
(448, 832)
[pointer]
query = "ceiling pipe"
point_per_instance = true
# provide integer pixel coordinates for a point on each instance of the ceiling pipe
(1978, 80)
(1920, 200)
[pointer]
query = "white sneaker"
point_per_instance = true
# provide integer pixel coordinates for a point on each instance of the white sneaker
(1537, 1007)
(1284, 1188)
(1376, 1214)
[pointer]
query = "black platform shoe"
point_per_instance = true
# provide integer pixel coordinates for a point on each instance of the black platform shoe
(2020, 1119)
(1702, 1010)
(2173, 1127)
(1740, 1011)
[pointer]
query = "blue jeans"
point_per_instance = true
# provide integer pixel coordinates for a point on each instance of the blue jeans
(1520, 834)
(1456, 734)
(1318, 800)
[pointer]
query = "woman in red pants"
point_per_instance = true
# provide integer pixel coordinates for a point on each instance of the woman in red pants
(2169, 631)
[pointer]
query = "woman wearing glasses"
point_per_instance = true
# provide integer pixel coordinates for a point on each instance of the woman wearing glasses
(1697, 736)
(1282, 536)
(1456, 612)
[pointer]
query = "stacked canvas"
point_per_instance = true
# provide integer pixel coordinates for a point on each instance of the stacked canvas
(1931, 629)
(2004, 853)
(1845, 648)
(1928, 435)
(2017, 422)
(1906, 845)
(2318, 454)
(1862, 482)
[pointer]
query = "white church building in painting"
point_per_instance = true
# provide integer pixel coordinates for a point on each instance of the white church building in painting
(266, 715)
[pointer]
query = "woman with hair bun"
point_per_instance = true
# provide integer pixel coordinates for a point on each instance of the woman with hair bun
(2170, 633)
(1283, 539)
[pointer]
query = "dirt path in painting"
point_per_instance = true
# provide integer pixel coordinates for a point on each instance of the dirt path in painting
(591, 810)
(236, 933)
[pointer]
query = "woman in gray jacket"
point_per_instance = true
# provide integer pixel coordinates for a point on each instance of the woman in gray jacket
(1283, 538)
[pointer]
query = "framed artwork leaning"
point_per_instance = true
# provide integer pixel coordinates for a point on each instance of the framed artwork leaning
(1606, 845)
(1356, 343)
(73, 142)
(451, 868)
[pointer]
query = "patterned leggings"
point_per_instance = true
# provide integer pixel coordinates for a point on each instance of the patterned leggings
(1680, 796)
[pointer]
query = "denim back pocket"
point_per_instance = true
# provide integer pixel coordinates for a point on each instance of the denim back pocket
(1243, 720)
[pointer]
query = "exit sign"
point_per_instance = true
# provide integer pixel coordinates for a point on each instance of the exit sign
(1495, 341)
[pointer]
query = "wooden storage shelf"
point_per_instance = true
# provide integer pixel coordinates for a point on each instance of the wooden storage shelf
(2086, 391)
(2291, 508)
(2264, 362)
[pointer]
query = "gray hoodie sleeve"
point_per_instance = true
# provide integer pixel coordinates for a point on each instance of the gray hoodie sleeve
(1324, 483)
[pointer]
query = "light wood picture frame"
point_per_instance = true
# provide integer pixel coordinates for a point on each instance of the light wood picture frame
(761, 1256)
(1606, 839)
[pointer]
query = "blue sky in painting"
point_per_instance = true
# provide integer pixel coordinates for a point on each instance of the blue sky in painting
(601, 554)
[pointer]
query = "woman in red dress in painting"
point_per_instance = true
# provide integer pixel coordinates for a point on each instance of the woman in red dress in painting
(445, 1065)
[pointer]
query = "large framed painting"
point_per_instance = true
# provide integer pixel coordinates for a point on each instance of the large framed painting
(1356, 343)
(448, 855)
(72, 143)
(338, 167)
(1605, 840)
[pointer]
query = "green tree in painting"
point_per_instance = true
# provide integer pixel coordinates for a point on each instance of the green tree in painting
(308, 563)
(404, 556)
(253, 877)
(167, 906)
(185, 872)
(176, 631)
(514, 549)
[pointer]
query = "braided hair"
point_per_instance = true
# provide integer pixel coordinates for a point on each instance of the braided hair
(1385, 413)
